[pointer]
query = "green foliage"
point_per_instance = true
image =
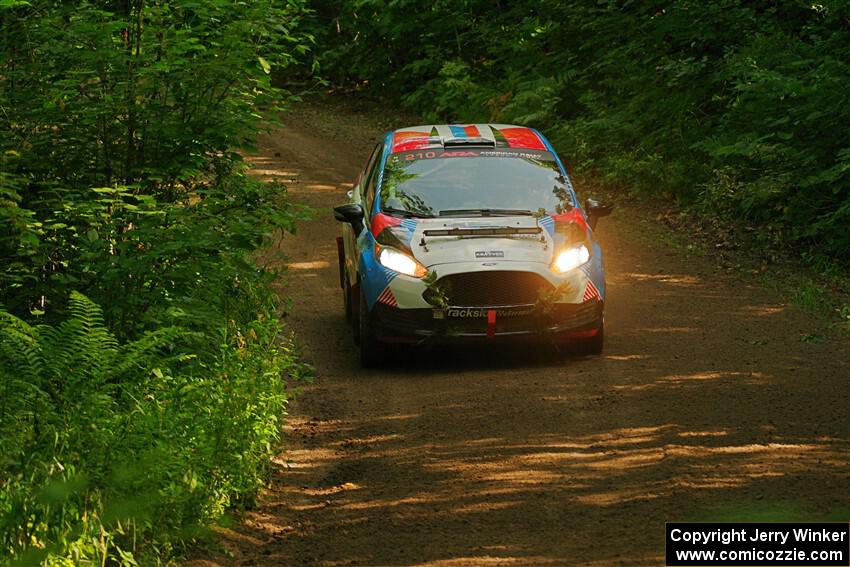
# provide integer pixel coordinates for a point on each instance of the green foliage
(107, 446)
(736, 107)
(125, 124)
(437, 294)
(126, 428)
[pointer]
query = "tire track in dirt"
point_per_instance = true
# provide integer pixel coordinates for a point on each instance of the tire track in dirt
(705, 406)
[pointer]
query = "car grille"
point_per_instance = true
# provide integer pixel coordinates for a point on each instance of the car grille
(495, 288)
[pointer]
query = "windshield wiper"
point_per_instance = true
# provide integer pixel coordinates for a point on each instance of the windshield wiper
(485, 212)
(405, 213)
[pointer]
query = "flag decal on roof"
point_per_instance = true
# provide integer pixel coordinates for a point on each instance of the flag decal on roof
(439, 135)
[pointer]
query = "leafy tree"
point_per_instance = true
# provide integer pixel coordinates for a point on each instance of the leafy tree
(141, 358)
(737, 107)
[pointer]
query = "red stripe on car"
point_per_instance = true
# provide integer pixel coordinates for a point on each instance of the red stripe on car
(571, 216)
(590, 292)
(406, 141)
(586, 334)
(387, 297)
(381, 221)
(523, 138)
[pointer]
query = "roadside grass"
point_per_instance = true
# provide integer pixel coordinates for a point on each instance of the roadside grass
(813, 291)
(814, 283)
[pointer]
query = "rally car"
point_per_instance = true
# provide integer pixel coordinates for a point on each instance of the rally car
(469, 233)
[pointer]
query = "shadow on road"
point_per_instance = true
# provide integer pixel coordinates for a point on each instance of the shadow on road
(705, 406)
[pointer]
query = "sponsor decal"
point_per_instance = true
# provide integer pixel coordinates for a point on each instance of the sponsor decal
(489, 254)
(423, 148)
(458, 154)
(513, 154)
(481, 312)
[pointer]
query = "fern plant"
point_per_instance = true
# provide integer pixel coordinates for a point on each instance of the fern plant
(107, 446)
(65, 393)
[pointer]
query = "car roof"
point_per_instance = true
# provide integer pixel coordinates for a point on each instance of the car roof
(434, 136)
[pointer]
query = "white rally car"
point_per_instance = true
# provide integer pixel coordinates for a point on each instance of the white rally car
(469, 233)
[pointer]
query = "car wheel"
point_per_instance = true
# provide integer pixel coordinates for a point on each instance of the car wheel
(369, 357)
(346, 299)
(354, 299)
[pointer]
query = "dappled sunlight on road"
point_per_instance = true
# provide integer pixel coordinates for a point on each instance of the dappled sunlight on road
(485, 560)
(316, 265)
(625, 357)
(667, 329)
(371, 483)
(696, 377)
(705, 400)
(671, 279)
(763, 310)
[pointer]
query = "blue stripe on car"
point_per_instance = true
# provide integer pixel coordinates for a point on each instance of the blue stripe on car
(410, 226)
(388, 144)
(594, 268)
(548, 223)
(560, 165)
(374, 277)
(458, 131)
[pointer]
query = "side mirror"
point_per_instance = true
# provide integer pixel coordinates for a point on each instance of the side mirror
(352, 213)
(596, 210)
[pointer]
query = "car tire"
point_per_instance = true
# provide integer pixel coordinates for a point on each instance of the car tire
(369, 356)
(594, 344)
(354, 323)
(346, 300)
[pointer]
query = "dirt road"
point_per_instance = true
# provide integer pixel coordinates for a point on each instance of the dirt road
(705, 406)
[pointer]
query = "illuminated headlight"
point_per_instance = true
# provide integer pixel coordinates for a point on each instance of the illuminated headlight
(571, 258)
(400, 262)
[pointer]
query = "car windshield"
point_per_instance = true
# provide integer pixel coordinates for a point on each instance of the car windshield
(473, 182)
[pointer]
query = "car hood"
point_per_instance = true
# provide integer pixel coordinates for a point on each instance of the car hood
(487, 240)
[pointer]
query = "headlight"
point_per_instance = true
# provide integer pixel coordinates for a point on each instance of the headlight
(571, 258)
(400, 262)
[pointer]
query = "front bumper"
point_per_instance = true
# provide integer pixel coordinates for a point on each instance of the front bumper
(560, 322)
